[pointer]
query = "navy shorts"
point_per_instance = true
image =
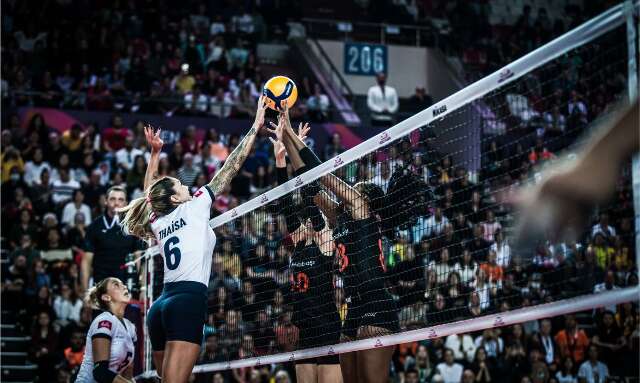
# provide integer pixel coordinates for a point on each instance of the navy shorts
(179, 314)
(375, 309)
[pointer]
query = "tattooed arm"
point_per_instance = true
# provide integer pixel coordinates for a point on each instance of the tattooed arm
(233, 163)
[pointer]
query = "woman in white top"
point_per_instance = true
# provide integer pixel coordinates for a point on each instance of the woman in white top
(179, 222)
(441, 267)
(467, 268)
(67, 305)
(110, 347)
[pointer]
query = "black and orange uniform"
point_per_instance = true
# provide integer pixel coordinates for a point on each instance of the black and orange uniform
(311, 275)
(313, 297)
(361, 265)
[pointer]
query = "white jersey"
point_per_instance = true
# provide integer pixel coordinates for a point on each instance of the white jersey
(186, 240)
(123, 336)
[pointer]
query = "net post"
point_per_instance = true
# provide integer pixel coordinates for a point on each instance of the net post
(632, 83)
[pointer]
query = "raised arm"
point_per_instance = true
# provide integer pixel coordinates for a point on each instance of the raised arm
(341, 189)
(285, 204)
(233, 163)
(156, 143)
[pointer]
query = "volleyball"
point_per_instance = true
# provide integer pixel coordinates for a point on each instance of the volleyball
(278, 89)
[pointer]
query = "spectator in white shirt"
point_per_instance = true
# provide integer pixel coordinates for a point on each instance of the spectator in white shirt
(221, 104)
(576, 109)
(462, 346)
(67, 306)
(318, 104)
(554, 121)
(382, 178)
(382, 101)
(592, 370)
(126, 156)
(62, 189)
(450, 371)
(491, 342)
(436, 223)
(490, 226)
(217, 26)
(603, 227)
(196, 102)
(77, 206)
(502, 249)
(467, 268)
(33, 168)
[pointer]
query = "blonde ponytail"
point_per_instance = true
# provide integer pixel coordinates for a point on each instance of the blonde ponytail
(136, 218)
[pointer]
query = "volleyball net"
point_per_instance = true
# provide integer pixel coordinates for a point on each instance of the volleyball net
(429, 252)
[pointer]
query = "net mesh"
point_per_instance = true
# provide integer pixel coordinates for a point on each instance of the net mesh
(431, 243)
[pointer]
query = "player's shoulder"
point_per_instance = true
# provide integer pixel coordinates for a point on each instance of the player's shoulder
(204, 190)
(103, 320)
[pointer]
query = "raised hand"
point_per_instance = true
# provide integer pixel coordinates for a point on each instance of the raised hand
(153, 138)
(278, 129)
(262, 107)
(279, 150)
(303, 131)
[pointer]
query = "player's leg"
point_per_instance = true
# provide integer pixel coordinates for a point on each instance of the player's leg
(329, 370)
(373, 364)
(158, 361)
(179, 358)
(156, 334)
(307, 372)
(349, 367)
(183, 318)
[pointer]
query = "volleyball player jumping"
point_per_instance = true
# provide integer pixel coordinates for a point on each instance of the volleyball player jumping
(311, 271)
(180, 224)
(357, 237)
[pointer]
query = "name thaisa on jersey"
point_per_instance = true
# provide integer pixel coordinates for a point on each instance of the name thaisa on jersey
(174, 226)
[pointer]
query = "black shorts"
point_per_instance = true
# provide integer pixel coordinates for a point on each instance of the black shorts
(322, 360)
(179, 314)
(375, 309)
(318, 330)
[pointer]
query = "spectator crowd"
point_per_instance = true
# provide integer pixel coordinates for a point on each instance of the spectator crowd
(455, 261)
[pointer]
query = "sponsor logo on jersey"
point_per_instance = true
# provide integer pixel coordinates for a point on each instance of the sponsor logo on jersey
(370, 315)
(439, 110)
(104, 324)
(173, 227)
(340, 234)
(198, 193)
(303, 264)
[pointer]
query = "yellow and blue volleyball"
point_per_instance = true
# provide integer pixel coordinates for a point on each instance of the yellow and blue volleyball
(279, 89)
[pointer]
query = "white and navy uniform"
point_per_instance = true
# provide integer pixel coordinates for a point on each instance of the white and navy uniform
(186, 242)
(122, 334)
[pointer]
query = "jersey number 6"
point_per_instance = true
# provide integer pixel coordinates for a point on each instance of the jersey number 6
(172, 253)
